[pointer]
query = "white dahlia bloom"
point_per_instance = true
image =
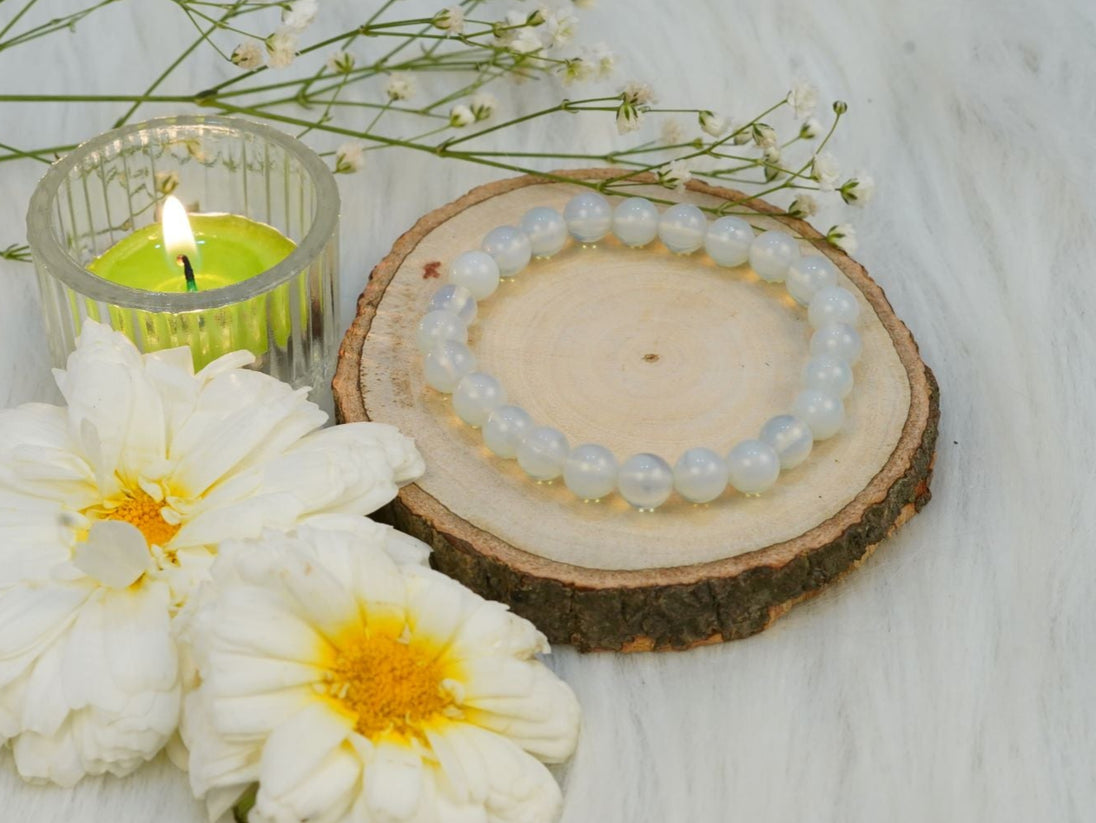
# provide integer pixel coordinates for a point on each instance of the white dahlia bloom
(354, 689)
(112, 509)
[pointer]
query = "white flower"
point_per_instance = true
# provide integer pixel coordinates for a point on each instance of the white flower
(460, 116)
(671, 133)
(825, 170)
(577, 70)
(858, 190)
(560, 25)
(843, 236)
(764, 135)
(771, 155)
(341, 62)
(740, 134)
(282, 47)
(711, 123)
(810, 129)
(803, 98)
(349, 157)
(112, 509)
(803, 206)
(450, 20)
(638, 94)
(601, 56)
(354, 689)
(483, 105)
(248, 55)
(674, 175)
(627, 118)
(527, 41)
(300, 14)
(400, 87)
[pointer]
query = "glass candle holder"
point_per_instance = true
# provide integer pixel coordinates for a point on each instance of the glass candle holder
(116, 183)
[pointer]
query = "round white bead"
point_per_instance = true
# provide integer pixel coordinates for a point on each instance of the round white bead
(833, 304)
(790, 437)
(837, 340)
(505, 428)
(477, 395)
(440, 325)
(455, 299)
(635, 222)
(543, 452)
(828, 374)
(645, 481)
(824, 413)
(510, 247)
(728, 241)
(753, 466)
(590, 471)
(546, 230)
(477, 271)
(444, 367)
(589, 217)
(771, 253)
(807, 275)
(700, 475)
(682, 228)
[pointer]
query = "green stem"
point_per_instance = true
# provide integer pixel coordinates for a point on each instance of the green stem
(15, 19)
(121, 121)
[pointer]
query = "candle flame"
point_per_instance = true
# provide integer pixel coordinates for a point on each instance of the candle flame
(178, 236)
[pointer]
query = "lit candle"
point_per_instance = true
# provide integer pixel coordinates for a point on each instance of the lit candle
(201, 252)
(111, 244)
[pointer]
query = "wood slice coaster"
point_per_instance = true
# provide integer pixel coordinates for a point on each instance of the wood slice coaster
(638, 350)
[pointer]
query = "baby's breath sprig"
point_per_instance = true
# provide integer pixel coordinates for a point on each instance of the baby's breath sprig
(360, 90)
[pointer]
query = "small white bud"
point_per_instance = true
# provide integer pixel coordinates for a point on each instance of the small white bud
(711, 123)
(450, 20)
(461, 116)
(348, 158)
(843, 236)
(248, 55)
(400, 87)
(858, 190)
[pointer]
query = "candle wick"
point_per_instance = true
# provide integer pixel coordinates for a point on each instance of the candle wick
(188, 273)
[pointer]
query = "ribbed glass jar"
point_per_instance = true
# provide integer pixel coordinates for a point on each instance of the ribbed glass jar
(116, 183)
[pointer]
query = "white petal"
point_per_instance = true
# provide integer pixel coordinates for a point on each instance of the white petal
(521, 789)
(241, 419)
(115, 554)
(437, 606)
(106, 389)
(43, 705)
(400, 453)
(393, 783)
(257, 623)
(256, 715)
(403, 549)
(215, 760)
(298, 748)
(31, 618)
(245, 519)
(54, 758)
(492, 628)
(544, 720)
(324, 797)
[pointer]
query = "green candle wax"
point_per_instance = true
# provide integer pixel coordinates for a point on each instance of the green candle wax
(230, 249)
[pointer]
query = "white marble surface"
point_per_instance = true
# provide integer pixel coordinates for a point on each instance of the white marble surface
(952, 677)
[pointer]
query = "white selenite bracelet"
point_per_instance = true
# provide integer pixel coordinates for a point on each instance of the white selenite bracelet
(644, 480)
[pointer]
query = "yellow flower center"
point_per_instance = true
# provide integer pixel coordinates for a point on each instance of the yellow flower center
(387, 685)
(140, 510)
